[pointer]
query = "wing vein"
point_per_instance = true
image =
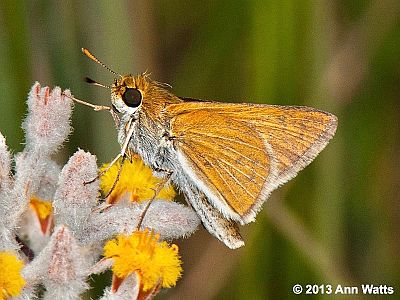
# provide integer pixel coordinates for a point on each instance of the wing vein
(227, 185)
(237, 180)
(233, 166)
(228, 139)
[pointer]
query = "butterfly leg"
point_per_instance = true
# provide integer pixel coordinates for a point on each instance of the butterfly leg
(116, 178)
(157, 190)
(123, 153)
(105, 170)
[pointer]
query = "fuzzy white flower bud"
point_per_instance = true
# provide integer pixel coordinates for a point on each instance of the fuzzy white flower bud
(74, 200)
(47, 124)
(60, 267)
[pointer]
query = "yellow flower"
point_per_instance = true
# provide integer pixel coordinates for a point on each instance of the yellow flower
(44, 211)
(155, 262)
(136, 179)
(41, 207)
(11, 281)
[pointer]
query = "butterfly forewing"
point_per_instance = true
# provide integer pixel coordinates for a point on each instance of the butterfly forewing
(227, 155)
(238, 153)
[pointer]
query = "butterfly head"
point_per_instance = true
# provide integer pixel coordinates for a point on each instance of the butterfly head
(127, 93)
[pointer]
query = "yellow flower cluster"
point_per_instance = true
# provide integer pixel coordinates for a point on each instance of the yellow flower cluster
(156, 262)
(136, 179)
(11, 281)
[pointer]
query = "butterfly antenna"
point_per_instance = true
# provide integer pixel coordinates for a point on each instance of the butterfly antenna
(93, 82)
(95, 59)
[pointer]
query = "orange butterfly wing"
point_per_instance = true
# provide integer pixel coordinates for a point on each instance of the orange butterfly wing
(237, 154)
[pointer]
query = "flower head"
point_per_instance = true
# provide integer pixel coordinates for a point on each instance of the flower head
(155, 262)
(136, 179)
(11, 281)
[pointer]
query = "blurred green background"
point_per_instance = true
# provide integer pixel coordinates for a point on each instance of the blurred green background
(338, 221)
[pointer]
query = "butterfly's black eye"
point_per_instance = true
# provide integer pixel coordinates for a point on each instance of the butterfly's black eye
(132, 97)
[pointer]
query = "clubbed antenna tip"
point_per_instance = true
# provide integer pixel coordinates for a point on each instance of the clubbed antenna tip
(95, 59)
